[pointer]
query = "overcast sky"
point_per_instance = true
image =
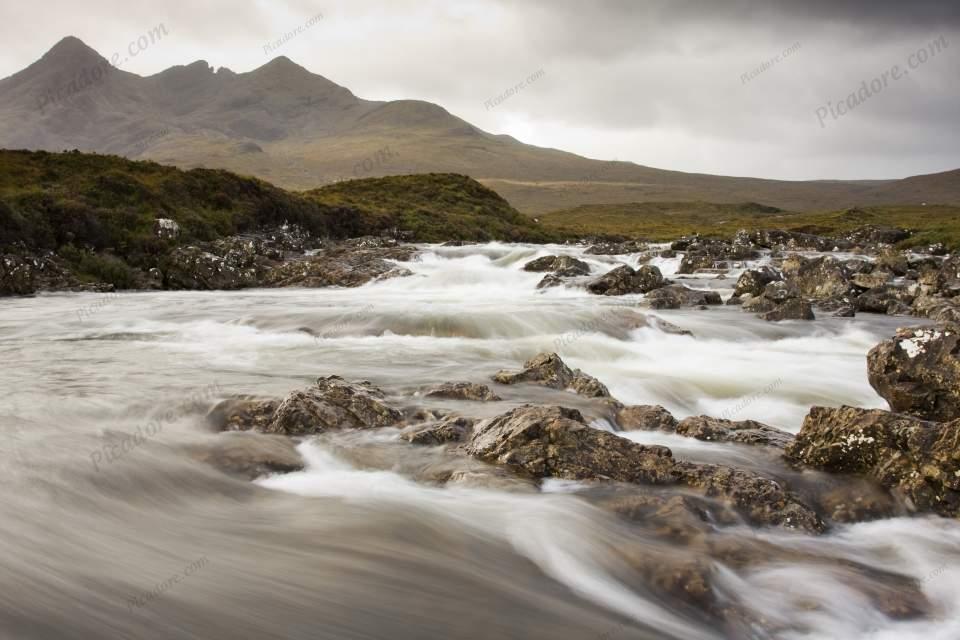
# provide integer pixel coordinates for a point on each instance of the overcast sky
(657, 82)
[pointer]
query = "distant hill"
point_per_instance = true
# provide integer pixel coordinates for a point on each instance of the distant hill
(299, 130)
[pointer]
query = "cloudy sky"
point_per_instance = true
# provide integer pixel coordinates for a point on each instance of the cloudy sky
(664, 83)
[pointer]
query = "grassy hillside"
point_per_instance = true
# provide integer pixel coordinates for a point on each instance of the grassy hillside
(98, 211)
(434, 207)
(661, 221)
(48, 200)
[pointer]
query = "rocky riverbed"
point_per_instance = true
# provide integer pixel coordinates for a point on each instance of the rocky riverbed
(755, 438)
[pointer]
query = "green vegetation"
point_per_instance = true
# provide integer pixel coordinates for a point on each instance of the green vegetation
(99, 211)
(434, 207)
(662, 221)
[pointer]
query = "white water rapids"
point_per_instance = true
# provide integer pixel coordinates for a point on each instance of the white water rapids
(356, 545)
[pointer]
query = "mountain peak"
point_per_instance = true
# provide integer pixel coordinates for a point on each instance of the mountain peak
(72, 48)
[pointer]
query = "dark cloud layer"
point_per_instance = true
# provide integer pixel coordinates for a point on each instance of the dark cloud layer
(696, 85)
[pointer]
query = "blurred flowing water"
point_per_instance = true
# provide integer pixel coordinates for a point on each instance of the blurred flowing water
(158, 545)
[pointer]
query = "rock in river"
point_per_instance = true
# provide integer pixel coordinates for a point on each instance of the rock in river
(625, 280)
(917, 459)
(918, 371)
(549, 370)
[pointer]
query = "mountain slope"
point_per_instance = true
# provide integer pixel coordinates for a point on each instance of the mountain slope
(300, 130)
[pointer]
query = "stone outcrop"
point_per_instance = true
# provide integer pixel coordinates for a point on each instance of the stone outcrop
(753, 281)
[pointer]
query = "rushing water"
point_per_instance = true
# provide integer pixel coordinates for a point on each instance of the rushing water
(158, 545)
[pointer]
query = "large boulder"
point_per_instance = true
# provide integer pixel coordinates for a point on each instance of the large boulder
(248, 455)
(818, 278)
(549, 370)
(918, 371)
(195, 267)
(675, 296)
(332, 404)
(753, 281)
(743, 431)
(562, 265)
(917, 459)
(556, 442)
(625, 280)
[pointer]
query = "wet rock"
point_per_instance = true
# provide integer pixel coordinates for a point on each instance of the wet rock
(549, 370)
(332, 404)
(795, 309)
(242, 413)
(780, 301)
(342, 266)
(556, 442)
(893, 261)
(734, 301)
(249, 455)
(625, 280)
(817, 278)
(937, 308)
(562, 265)
(196, 268)
(550, 280)
(872, 280)
(917, 459)
(449, 429)
(616, 248)
(677, 295)
(693, 262)
(491, 478)
(645, 418)
(461, 391)
(754, 281)
(743, 432)
(918, 371)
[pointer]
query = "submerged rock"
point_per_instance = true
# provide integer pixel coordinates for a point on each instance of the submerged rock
(625, 280)
(549, 370)
(917, 459)
(249, 455)
(242, 413)
(918, 371)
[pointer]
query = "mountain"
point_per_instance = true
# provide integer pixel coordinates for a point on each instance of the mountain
(299, 130)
